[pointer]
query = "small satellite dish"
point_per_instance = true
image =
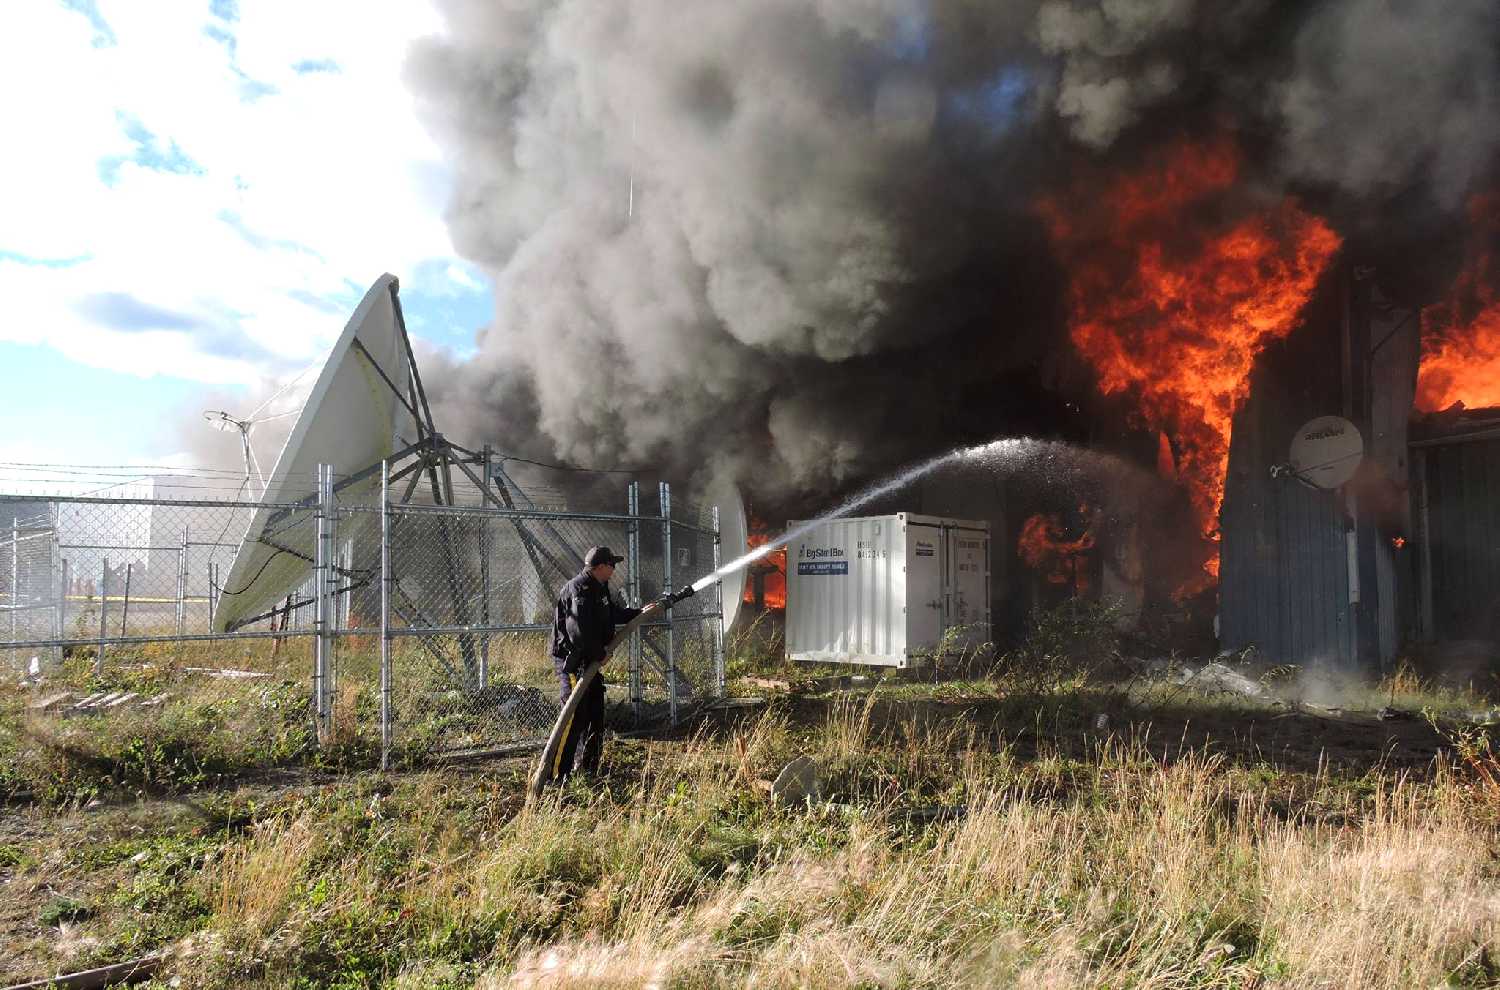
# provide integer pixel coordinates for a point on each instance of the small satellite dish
(1326, 451)
(224, 422)
(732, 534)
(350, 421)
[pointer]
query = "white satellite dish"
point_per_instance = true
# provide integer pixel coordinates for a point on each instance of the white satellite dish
(1326, 451)
(350, 421)
(733, 531)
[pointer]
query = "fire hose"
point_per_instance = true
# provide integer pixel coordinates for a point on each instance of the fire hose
(542, 776)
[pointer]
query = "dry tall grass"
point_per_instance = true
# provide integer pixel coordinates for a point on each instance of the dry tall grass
(253, 888)
(1121, 870)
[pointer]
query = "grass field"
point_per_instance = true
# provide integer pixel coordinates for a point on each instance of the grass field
(984, 830)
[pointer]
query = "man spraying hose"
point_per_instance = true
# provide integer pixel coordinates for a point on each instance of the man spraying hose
(583, 632)
(583, 623)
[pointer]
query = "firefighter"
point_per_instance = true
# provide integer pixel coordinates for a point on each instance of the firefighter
(583, 623)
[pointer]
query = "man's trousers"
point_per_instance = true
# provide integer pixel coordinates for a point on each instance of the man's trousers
(585, 728)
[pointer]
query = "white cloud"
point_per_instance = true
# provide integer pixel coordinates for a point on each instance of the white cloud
(461, 277)
(267, 200)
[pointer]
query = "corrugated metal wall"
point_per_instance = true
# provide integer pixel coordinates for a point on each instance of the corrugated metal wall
(1292, 559)
(1285, 572)
(1462, 532)
(1284, 557)
(1284, 566)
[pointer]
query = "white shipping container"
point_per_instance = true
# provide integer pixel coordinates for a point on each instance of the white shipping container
(885, 590)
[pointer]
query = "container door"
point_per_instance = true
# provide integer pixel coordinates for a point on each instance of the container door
(968, 574)
(924, 588)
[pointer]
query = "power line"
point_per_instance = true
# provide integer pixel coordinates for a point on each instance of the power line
(223, 486)
(134, 471)
(120, 467)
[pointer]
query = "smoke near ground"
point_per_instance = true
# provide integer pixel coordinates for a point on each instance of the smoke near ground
(795, 240)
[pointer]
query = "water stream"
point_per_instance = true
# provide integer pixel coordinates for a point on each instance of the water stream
(1051, 462)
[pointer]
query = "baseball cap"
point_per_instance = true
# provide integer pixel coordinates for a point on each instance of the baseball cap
(600, 555)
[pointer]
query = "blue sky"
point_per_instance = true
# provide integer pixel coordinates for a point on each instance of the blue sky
(194, 196)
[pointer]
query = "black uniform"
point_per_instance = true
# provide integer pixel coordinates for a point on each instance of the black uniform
(583, 623)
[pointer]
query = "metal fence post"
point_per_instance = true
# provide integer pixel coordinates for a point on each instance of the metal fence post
(385, 615)
(125, 610)
(103, 613)
(633, 502)
(182, 583)
(15, 573)
(665, 492)
(343, 597)
(62, 602)
(322, 599)
(484, 579)
(718, 630)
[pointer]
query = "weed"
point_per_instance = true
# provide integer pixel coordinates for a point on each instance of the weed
(1065, 644)
(63, 909)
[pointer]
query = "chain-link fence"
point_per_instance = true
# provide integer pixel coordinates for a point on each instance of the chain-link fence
(469, 618)
(424, 629)
(108, 623)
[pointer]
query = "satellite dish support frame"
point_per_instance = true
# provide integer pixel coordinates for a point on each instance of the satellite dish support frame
(432, 457)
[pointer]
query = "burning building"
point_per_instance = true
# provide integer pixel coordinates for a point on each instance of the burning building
(798, 244)
(765, 584)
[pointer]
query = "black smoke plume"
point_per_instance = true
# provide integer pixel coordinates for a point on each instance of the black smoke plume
(794, 241)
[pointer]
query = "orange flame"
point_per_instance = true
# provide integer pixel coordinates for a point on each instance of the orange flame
(1461, 334)
(1172, 304)
(770, 570)
(1045, 548)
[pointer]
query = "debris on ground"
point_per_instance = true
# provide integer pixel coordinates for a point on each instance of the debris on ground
(1312, 707)
(1160, 666)
(1217, 676)
(50, 702)
(226, 673)
(727, 703)
(797, 783)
